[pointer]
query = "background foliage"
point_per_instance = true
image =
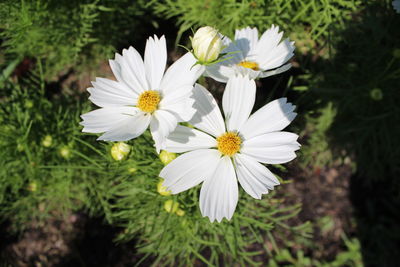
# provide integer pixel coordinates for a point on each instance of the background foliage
(344, 82)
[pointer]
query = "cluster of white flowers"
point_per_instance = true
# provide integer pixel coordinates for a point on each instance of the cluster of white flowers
(218, 150)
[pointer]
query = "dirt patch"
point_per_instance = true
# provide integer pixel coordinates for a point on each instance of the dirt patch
(76, 241)
(325, 197)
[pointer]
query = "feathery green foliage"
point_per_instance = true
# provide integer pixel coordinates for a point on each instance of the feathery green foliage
(314, 17)
(63, 34)
(346, 89)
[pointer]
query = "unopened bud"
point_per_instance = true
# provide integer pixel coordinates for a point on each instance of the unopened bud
(162, 190)
(180, 212)
(132, 170)
(32, 187)
(47, 141)
(166, 157)
(120, 150)
(65, 152)
(376, 94)
(171, 206)
(206, 44)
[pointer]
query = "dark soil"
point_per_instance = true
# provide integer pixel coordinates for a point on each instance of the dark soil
(77, 241)
(325, 197)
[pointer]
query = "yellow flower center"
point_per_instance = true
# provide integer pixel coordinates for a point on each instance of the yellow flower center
(249, 65)
(148, 101)
(229, 143)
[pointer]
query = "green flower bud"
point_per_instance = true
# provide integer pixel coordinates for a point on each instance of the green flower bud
(65, 152)
(28, 104)
(207, 44)
(162, 190)
(166, 157)
(20, 147)
(32, 187)
(376, 94)
(132, 170)
(180, 212)
(47, 141)
(120, 150)
(171, 206)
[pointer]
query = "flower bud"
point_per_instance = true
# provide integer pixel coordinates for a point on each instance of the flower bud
(171, 206)
(120, 150)
(166, 157)
(162, 190)
(180, 212)
(28, 104)
(65, 152)
(132, 170)
(32, 187)
(47, 141)
(376, 94)
(206, 44)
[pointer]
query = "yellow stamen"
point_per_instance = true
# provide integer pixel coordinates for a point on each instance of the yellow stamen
(148, 101)
(229, 143)
(249, 65)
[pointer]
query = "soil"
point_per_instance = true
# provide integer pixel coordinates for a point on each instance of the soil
(325, 197)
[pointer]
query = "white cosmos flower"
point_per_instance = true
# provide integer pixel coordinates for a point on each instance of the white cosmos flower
(257, 58)
(143, 95)
(221, 153)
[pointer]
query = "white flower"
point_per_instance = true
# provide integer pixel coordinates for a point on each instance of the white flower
(143, 95)
(396, 5)
(257, 58)
(220, 155)
(206, 44)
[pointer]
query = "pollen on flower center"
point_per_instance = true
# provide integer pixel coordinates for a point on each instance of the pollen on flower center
(148, 101)
(249, 65)
(229, 143)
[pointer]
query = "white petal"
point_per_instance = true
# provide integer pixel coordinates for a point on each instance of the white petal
(104, 119)
(235, 54)
(108, 93)
(131, 68)
(161, 125)
(272, 148)
(185, 139)
(246, 39)
(254, 177)
(274, 116)
(179, 102)
(129, 129)
(278, 56)
(155, 58)
(208, 117)
(238, 101)
(272, 155)
(224, 70)
(117, 70)
(268, 40)
(219, 192)
(181, 73)
(189, 169)
(271, 139)
(279, 70)
(220, 72)
(270, 53)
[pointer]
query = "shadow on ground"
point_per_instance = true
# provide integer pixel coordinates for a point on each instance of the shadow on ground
(77, 241)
